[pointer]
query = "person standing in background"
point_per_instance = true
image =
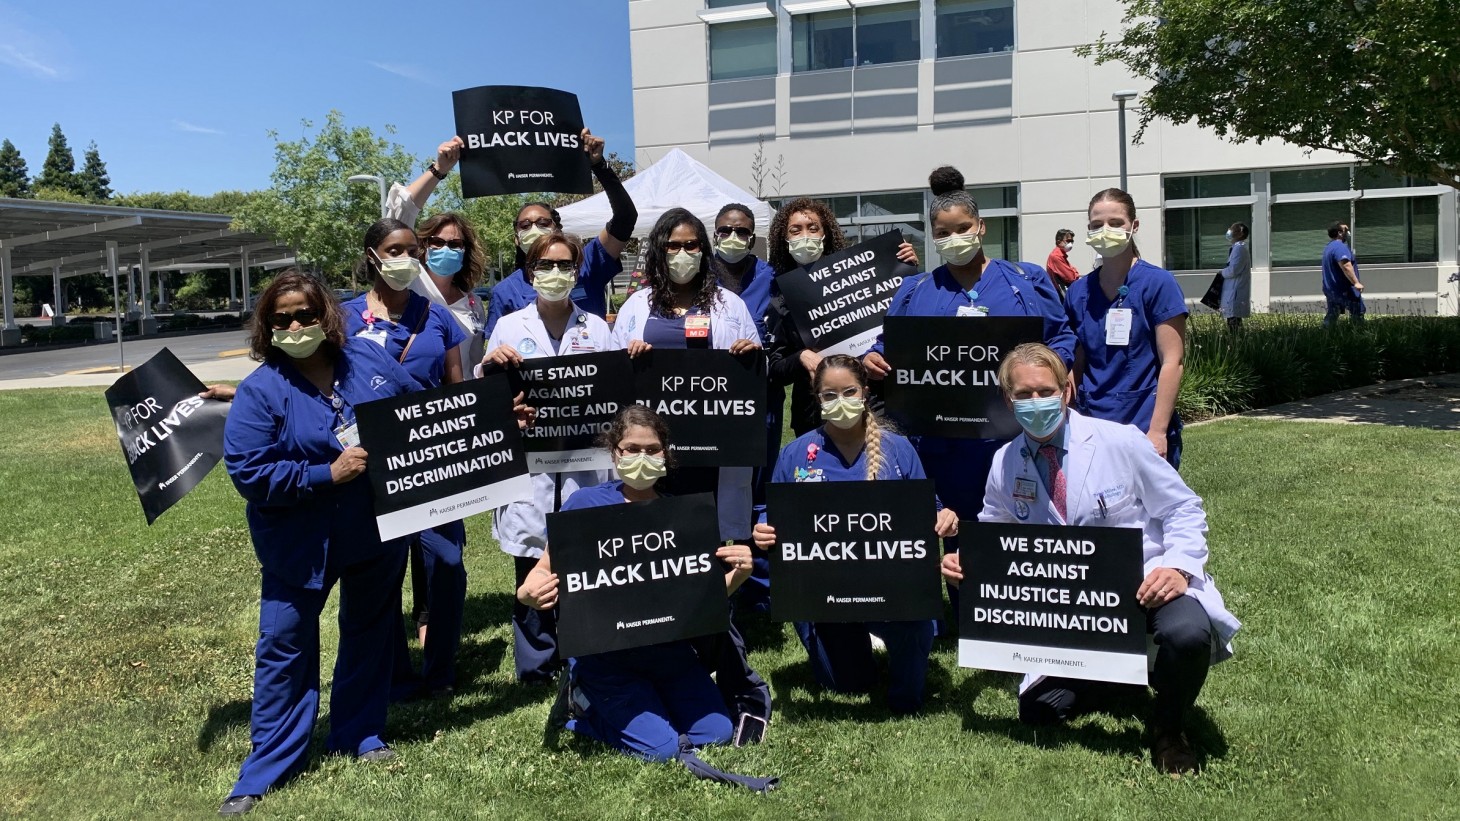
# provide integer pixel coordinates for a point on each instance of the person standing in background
(1237, 278)
(1061, 273)
(1341, 287)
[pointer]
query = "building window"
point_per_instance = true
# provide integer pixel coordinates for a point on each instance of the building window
(744, 49)
(887, 34)
(1395, 230)
(1196, 238)
(968, 27)
(995, 196)
(1300, 230)
(821, 41)
(1208, 185)
(1310, 180)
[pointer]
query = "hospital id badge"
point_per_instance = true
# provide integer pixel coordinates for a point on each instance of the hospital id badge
(697, 327)
(1117, 326)
(376, 336)
(972, 310)
(348, 435)
(1025, 490)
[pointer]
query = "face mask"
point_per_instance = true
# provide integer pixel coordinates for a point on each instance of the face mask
(1040, 417)
(1067, 246)
(554, 285)
(732, 249)
(444, 261)
(525, 239)
(301, 343)
(843, 412)
(958, 249)
(1107, 241)
(399, 272)
(640, 470)
(683, 266)
(805, 250)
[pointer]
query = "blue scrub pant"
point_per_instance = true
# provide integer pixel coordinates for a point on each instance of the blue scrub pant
(286, 668)
(1183, 634)
(444, 605)
(641, 701)
(534, 633)
(841, 658)
(1338, 304)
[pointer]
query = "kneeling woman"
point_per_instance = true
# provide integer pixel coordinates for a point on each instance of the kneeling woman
(853, 445)
(290, 449)
(642, 700)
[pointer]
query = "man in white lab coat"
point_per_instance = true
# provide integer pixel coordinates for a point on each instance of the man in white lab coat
(1069, 469)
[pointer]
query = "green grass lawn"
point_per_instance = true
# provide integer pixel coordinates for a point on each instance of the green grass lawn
(126, 670)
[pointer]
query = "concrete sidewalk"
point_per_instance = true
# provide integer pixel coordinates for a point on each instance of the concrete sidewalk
(230, 369)
(1425, 402)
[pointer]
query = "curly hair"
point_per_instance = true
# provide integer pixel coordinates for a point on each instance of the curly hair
(474, 262)
(778, 255)
(656, 264)
(633, 415)
(290, 280)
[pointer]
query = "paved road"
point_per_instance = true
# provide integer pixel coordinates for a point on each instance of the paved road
(190, 349)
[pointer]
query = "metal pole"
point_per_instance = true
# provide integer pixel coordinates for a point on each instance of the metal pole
(7, 289)
(58, 295)
(1122, 145)
(111, 267)
(247, 288)
(232, 289)
(381, 182)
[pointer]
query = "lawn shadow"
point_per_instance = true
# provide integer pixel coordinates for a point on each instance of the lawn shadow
(221, 718)
(1129, 705)
(761, 632)
(828, 705)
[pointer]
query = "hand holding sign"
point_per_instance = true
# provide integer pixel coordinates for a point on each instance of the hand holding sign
(348, 465)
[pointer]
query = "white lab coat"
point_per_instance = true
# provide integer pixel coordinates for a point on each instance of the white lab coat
(521, 527)
(1140, 490)
(729, 320)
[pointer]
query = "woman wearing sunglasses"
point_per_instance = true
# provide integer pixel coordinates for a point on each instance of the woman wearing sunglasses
(423, 337)
(551, 326)
(600, 255)
(291, 450)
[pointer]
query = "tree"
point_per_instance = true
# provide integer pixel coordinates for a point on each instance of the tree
(92, 181)
(311, 206)
(59, 171)
(14, 176)
(223, 202)
(1376, 79)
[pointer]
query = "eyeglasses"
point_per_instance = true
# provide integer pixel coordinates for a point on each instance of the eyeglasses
(674, 246)
(635, 450)
(304, 316)
(724, 231)
(540, 222)
(546, 265)
(453, 244)
(846, 393)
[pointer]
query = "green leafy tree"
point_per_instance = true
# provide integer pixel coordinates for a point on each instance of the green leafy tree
(223, 202)
(14, 176)
(1376, 79)
(59, 171)
(311, 206)
(93, 181)
(51, 194)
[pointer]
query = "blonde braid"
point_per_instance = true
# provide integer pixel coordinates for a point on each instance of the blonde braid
(873, 446)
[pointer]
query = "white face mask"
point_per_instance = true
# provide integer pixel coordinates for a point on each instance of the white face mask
(805, 250)
(1107, 241)
(640, 470)
(554, 285)
(843, 412)
(399, 272)
(525, 239)
(958, 249)
(683, 266)
(1067, 246)
(732, 249)
(301, 343)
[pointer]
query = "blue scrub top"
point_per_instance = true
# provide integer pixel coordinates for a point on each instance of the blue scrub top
(598, 269)
(799, 462)
(427, 358)
(278, 445)
(1119, 382)
(756, 291)
(1334, 282)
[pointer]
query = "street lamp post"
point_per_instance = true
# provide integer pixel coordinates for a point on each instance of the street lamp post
(379, 181)
(1120, 98)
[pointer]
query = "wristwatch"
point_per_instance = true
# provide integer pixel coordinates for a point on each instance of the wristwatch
(436, 172)
(1184, 575)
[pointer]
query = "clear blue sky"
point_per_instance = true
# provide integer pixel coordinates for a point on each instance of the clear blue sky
(180, 95)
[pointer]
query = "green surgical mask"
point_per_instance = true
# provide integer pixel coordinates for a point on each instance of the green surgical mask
(732, 249)
(301, 343)
(640, 470)
(525, 239)
(843, 411)
(958, 249)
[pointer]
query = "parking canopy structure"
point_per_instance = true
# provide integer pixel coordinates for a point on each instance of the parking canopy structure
(60, 240)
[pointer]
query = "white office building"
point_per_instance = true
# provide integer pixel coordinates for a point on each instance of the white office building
(855, 101)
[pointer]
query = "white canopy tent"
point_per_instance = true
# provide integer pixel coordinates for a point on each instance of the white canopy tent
(676, 180)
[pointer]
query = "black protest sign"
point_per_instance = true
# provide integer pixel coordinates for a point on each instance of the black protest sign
(854, 551)
(631, 575)
(713, 401)
(170, 436)
(576, 398)
(443, 454)
(944, 379)
(837, 303)
(519, 140)
(1053, 601)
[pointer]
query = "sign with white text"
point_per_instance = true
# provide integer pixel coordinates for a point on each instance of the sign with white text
(837, 302)
(520, 140)
(713, 401)
(576, 397)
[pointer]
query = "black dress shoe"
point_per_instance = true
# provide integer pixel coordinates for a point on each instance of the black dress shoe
(1171, 753)
(377, 754)
(238, 805)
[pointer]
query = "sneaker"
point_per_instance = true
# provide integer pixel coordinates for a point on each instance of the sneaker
(377, 754)
(238, 805)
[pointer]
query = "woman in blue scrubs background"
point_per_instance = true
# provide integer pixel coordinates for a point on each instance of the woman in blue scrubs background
(290, 448)
(853, 445)
(1130, 319)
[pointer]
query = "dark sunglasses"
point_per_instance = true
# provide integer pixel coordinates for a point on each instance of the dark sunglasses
(540, 222)
(546, 265)
(304, 316)
(675, 247)
(438, 242)
(724, 231)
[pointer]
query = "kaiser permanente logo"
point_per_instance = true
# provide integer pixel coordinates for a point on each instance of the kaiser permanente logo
(629, 625)
(855, 599)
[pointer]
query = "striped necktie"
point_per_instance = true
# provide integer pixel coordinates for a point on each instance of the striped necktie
(1056, 479)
